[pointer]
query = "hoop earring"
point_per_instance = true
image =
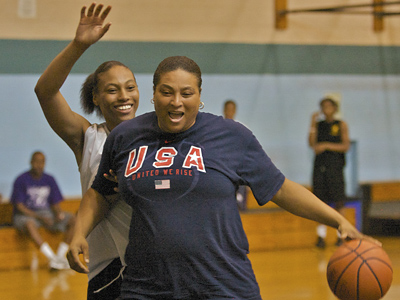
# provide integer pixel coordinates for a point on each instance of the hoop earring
(152, 101)
(201, 106)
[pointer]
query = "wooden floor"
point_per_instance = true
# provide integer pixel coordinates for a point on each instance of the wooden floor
(283, 275)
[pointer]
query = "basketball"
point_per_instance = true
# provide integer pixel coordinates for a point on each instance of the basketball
(359, 270)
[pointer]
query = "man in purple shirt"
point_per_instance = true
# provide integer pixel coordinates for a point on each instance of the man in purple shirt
(36, 199)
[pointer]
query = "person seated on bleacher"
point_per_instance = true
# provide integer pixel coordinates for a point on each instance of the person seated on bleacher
(35, 198)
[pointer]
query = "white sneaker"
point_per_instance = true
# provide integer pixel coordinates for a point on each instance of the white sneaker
(64, 262)
(59, 264)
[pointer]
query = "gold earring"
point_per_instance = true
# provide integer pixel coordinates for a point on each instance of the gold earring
(201, 106)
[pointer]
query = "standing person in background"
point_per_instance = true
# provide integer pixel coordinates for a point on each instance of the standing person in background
(113, 93)
(36, 198)
(329, 139)
(229, 109)
(241, 193)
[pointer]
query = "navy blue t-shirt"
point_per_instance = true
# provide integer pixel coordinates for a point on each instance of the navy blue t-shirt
(186, 238)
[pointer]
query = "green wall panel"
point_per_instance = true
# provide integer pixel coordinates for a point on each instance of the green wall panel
(32, 56)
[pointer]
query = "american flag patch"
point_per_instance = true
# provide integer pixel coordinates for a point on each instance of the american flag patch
(162, 184)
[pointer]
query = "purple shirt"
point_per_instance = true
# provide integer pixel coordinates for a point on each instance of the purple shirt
(36, 194)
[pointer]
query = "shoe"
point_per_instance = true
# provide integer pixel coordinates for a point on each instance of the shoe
(59, 264)
(320, 243)
(65, 263)
(339, 242)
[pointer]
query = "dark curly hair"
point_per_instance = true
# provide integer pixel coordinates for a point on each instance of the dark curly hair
(333, 102)
(173, 63)
(90, 87)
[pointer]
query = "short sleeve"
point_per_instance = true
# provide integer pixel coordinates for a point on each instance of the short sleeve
(18, 194)
(263, 177)
(55, 193)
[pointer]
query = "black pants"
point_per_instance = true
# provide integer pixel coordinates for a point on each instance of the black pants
(329, 184)
(112, 291)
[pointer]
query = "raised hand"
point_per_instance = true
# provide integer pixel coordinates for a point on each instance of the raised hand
(315, 116)
(91, 26)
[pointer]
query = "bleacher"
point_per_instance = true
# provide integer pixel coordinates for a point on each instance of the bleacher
(381, 207)
(17, 251)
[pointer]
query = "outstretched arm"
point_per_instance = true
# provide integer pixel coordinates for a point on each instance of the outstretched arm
(69, 125)
(92, 210)
(301, 202)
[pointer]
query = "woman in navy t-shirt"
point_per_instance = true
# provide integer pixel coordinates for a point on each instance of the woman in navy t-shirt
(179, 170)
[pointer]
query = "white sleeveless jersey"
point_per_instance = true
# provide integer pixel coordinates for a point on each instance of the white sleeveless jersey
(109, 238)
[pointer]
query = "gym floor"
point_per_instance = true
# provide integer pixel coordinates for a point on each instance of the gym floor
(297, 274)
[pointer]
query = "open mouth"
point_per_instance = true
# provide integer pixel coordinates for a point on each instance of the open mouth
(175, 116)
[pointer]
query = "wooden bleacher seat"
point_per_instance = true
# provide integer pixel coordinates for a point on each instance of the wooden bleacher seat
(381, 207)
(16, 249)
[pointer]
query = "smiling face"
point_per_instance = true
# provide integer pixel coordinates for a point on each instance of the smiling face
(117, 95)
(177, 100)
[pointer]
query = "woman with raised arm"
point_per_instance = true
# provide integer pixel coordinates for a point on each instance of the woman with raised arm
(112, 92)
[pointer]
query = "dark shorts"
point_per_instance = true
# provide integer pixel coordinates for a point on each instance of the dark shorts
(329, 185)
(110, 290)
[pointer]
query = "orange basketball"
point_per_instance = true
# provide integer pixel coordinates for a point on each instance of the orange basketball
(359, 270)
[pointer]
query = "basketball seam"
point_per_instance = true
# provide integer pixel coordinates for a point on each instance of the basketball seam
(364, 262)
(376, 278)
(342, 273)
(382, 261)
(358, 279)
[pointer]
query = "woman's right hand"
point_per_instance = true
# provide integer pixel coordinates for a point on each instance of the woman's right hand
(315, 116)
(349, 232)
(78, 246)
(90, 28)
